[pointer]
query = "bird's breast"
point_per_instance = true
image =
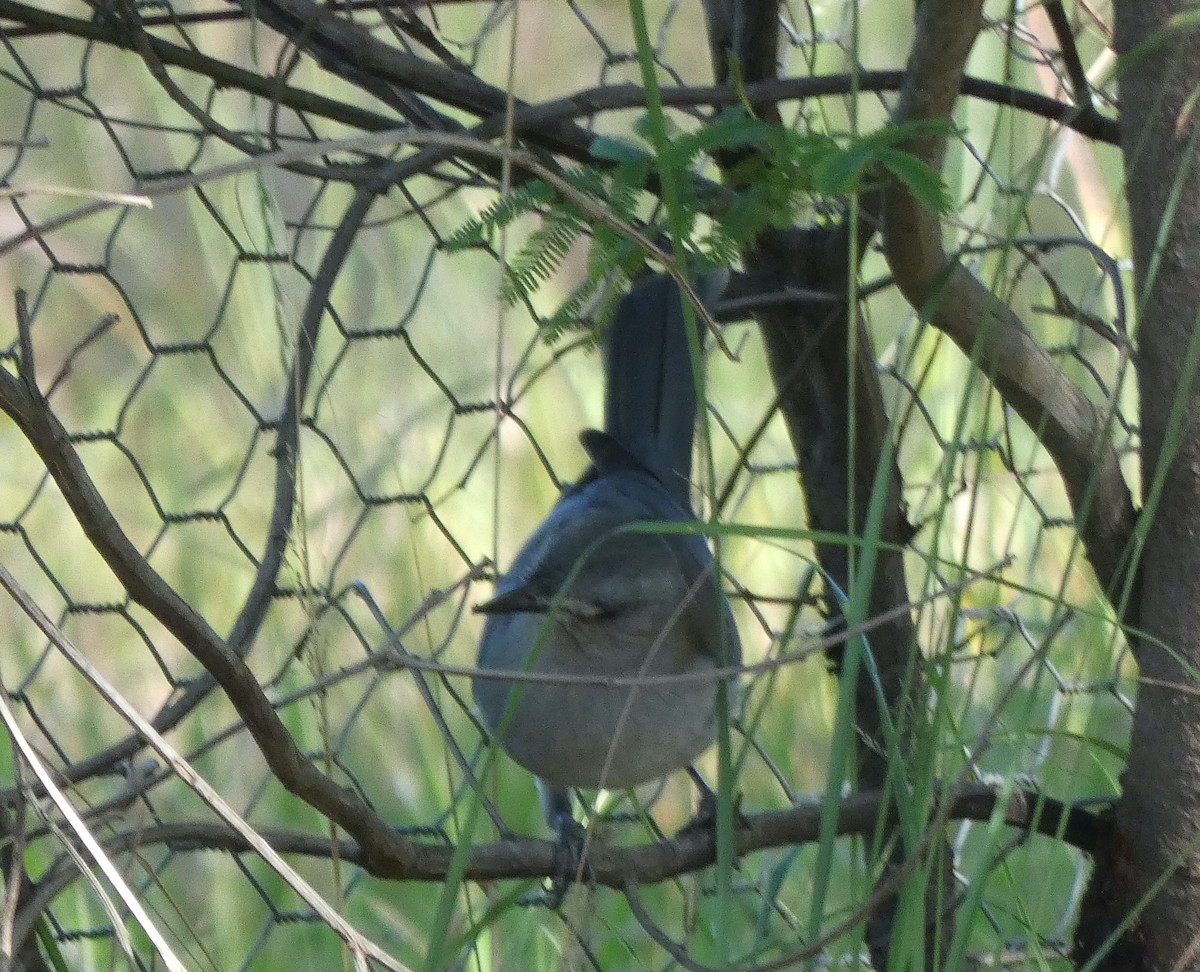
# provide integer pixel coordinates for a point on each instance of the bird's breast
(584, 732)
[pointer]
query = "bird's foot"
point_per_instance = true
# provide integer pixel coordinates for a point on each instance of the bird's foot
(705, 818)
(570, 865)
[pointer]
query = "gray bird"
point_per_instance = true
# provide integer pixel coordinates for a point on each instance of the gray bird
(586, 596)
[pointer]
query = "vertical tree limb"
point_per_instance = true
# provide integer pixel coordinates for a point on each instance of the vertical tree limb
(1158, 818)
(829, 394)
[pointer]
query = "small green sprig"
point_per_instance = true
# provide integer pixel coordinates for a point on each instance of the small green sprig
(771, 176)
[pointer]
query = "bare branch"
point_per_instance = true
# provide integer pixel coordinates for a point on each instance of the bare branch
(1075, 431)
(614, 866)
(48, 437)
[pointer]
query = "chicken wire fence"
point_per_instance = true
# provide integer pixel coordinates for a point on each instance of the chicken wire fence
(185, 254)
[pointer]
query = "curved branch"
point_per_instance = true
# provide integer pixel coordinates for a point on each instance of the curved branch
(351, 51)
(20, 399)
(258, 599)
(1075, 431)
(591, 101)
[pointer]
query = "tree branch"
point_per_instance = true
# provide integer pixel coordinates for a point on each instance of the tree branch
(32, 415)
(529, 120)
(615, 866)
(1075, 431)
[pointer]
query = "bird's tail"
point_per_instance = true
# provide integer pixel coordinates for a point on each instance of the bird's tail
(650, 405)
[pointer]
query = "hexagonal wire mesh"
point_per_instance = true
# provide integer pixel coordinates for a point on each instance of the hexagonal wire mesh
(169, 330)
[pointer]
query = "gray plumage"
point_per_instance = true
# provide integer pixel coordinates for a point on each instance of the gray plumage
(637, 602)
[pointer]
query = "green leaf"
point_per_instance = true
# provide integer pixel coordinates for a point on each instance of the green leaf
(840, 173)
(778, 172)
(467, 236)
(642, 127)
(616, 150)
(921, 179)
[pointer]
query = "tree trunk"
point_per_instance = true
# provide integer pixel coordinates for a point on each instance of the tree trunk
(1157, 833)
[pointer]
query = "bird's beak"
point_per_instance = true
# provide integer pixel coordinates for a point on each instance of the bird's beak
(513, 599)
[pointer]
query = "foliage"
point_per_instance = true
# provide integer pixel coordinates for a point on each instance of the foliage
(774, 175)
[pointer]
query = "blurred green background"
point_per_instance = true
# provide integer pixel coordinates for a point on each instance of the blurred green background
(410, 478)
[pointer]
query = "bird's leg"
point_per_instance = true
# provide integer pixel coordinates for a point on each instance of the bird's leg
(706, 812)
(569, 847)
(705, 817)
